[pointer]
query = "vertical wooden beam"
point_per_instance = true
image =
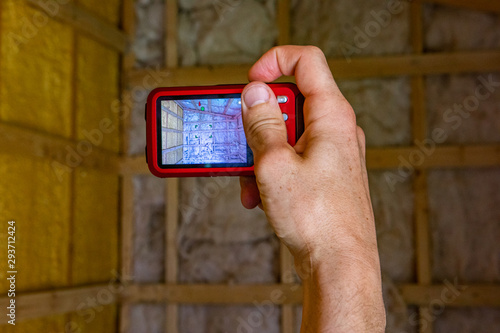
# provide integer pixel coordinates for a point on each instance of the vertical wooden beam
(172, 185)
(416, 24)
(419, 129)
(422, 229)
(127, 245)
(1, 55)
(286, 276)
(128, 62)
(423, 249)
(127, 185)
(171, 11)
(419, 118)
(171, 258)
(73, 136)
(128, 26)
(283, 22)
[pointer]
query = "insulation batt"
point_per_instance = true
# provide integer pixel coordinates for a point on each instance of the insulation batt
(382, 108)
(137, 128)
(350, 28)
(225, 31)
(222, 242)
(147, 318)
(149, 231)
(466, 234)
(147, 45)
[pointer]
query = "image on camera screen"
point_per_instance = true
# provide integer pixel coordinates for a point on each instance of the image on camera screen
(203, 132)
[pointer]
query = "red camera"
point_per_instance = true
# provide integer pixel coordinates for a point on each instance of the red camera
(198, 131)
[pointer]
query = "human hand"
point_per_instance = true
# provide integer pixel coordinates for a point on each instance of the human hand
(315, 195)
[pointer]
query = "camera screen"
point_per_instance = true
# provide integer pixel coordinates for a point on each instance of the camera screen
(202, 131)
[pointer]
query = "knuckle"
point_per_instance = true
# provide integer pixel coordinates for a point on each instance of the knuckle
(347, 118)
(260, 127)
(315, 51)
(273, 159)
(360, 133)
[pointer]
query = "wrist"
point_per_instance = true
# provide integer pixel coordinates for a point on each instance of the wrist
(337, 249)
(347, 280)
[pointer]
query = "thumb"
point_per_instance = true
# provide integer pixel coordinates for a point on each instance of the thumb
(262, 119)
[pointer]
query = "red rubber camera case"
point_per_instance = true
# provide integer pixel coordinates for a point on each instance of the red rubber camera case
(291, 109)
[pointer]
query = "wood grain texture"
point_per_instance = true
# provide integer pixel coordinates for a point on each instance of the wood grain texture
(172, 185)
(18, 140)
(449, 294)
(128, 18)
(48, 303)
(126, 245)
(87, 23)
(283, 21)
(214, 294)
(357, 68)
(413, 294)
(286, 272)
(171, 45)
(171, 255)
(483, 5)
(420, 198)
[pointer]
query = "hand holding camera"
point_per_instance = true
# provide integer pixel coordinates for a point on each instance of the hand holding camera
(315, 194)
(313, 187)
(198, 131)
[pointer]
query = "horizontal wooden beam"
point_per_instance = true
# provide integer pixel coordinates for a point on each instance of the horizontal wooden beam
(355, 68)
(492, 6)
(85, 22)
(456, 156)
(448, 293)
(64, 153)
(451, 294)
(466, 156)
(48, 303)
(416, 64)
(188, 76)
(214, 294)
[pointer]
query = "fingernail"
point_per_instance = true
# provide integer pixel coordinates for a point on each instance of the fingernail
(256, 95)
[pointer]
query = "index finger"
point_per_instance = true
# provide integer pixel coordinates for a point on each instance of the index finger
(313, 76)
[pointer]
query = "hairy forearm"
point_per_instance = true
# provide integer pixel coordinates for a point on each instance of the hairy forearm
(342, 293)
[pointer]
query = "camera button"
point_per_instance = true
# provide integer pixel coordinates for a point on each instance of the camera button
(285, 117)
(282, 99)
